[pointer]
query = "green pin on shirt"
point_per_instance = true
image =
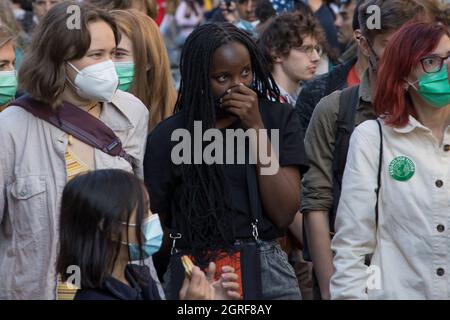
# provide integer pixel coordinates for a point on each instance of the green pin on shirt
(402, 168)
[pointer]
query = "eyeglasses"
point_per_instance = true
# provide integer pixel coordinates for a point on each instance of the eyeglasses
(433, 63)
(310, 49)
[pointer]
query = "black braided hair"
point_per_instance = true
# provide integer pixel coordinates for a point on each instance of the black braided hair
(206, 218)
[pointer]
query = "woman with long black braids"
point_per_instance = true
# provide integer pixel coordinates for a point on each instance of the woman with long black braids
(210, 208)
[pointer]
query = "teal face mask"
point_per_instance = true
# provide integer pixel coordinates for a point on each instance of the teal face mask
(125, 71)
(434, 88)
(8, 86)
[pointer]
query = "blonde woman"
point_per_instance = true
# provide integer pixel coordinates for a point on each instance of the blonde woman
(143, 65)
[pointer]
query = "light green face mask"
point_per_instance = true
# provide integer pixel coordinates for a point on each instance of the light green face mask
(434, 88)
(125, 71)
(8, 86)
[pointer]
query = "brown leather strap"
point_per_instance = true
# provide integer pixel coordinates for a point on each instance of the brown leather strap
(78, 123)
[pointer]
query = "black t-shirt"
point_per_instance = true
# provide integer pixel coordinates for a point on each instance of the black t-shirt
(162, 177)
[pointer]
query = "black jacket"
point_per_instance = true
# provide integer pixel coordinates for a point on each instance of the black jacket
(321, 87)
(143, 287)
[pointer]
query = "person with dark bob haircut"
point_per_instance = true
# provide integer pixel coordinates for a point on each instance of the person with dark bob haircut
(394, 205)
(68, 64)
(107, 230)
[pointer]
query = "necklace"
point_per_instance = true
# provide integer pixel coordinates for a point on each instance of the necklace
(92, 106)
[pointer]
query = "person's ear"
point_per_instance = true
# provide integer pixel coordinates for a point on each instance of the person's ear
(406, 85)
(357, 35)
(364, 46)
(277, 59)
(410, 81)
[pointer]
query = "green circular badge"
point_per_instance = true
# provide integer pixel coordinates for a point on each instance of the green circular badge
(402, 168)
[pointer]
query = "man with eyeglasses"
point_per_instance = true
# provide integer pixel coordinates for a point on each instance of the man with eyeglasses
(290, 45)
(346, 74)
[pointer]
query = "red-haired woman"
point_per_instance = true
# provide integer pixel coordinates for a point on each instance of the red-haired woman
(405, 225)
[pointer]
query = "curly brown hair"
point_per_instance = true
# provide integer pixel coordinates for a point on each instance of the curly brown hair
(438, 11)
(287, 31)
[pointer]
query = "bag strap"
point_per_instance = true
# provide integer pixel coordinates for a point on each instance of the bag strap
(348, 101)
(78, 123)
(380, 163)
(345, 124)
(253, 191)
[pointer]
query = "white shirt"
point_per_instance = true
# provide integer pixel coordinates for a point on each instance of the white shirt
(292, 100)
(411, 245)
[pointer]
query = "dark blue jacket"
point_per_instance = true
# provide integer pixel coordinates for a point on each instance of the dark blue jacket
(321, 87)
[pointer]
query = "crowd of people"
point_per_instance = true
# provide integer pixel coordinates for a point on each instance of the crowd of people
(121, 153)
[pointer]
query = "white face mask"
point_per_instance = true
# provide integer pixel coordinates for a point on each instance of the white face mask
(97, 82)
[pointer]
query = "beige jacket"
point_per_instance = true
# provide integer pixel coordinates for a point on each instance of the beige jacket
(32, 178)
(410, 242)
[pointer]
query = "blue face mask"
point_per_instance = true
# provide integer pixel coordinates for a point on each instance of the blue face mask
(153, 235)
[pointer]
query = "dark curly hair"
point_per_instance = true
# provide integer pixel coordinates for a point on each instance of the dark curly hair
(287, 31)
